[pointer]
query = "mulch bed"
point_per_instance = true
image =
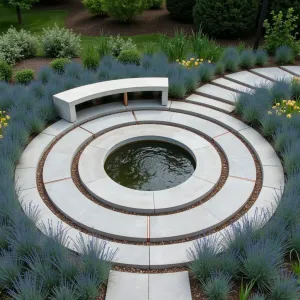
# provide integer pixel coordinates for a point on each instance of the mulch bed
(149, 22)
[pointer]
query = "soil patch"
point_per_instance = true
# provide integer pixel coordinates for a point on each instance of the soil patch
(149, 22)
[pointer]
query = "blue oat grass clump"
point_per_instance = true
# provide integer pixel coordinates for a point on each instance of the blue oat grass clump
(218, 286)
(285, 286)
(247, 59)
(261, 57)
(284, 55)
(231, 59)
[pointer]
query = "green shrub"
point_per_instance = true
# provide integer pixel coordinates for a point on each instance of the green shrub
(125, 10)
(58, 65)
(117, 44)
(5, 71)
(60, 42)
(157, 4)
(181, 10)
(16, 45)
(284, 5)
(94, 6)
(281, 31)
(223, 18)
(90, 58)
(129, 57)
(24, 76)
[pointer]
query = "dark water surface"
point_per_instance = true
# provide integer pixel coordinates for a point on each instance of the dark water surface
(150, 165)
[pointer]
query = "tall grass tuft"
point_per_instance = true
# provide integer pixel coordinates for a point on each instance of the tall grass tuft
(247, 59)
(261, 261)
(284, 287)
(231, 59)
(284, 55)
(217, 287)
(175, 47)
(204, 257)
(10, 268)
(261, 57)
(28, 287)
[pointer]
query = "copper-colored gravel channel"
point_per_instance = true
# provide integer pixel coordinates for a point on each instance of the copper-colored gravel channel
(247, 206)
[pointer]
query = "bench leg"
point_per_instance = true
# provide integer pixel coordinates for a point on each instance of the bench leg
(164, 98)
(65, 111)
(125, 100)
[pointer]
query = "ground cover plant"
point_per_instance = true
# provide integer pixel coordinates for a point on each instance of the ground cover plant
(260, 248)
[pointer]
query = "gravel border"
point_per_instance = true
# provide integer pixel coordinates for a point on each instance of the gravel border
(246, 207)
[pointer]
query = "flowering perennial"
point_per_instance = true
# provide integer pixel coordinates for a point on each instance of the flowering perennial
(192, 62)
(3, 121)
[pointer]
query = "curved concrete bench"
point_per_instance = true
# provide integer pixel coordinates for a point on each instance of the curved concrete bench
(65, 102)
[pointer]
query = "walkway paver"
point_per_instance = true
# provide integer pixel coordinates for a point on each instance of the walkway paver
(124, 285)
(231, 85)
(295, 70)
(139, 286)
(249, 79)
(273, 73)
(210, 90)
(169, 286)
(211, 102)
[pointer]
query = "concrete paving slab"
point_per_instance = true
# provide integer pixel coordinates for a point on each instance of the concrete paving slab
(33, 152)
(241, 162)
(73, 204)
(211, 90)
(295, 70)
(225, 83)
(170, 286)
(211, 102)
(123, 286)
(273, 73)
(249, 79)
(109, 121)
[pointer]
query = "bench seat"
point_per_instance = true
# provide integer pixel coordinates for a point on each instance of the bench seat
(65, 102)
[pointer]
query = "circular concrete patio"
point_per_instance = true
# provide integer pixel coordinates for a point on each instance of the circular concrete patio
(158, 233)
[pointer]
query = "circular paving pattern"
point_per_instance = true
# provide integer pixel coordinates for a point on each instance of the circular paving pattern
(237, 173)
(99, 184)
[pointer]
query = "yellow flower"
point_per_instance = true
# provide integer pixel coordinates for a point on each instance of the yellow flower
(196, 63)
(177, 60)
(192, 59)
(209, 61)
(198, 59)
(274, 107)
(289, 116)
(201, 59)
(269, 113)
(7, 117)
(1, 136)
(5, 124)
(283, 101)
(277, 104)
(3, 119)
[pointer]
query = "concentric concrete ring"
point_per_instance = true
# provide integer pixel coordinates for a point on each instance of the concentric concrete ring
(220, 127)
(97, 182)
